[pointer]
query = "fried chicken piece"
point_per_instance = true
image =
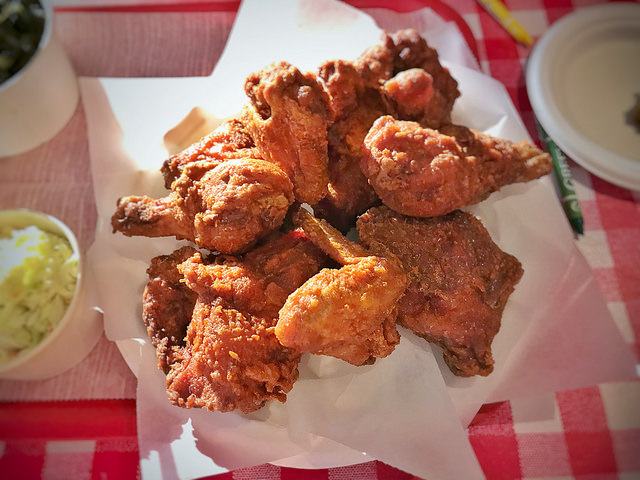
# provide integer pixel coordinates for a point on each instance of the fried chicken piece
(348, 313)
(423, 172)
(227, 209)
(287, 116)
(232, 358)
(357, 101)
(167, 306)
(348, 82)
(401, 77)
(415, 80)
(232, 361)
(284, 264)
(377, 62)
(229, 141)
(411, 52)
(412, 91)
(459, 281)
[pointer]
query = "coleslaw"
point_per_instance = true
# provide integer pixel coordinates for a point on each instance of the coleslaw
(38, 274)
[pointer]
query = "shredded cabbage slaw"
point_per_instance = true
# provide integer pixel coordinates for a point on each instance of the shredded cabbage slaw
(38, 274)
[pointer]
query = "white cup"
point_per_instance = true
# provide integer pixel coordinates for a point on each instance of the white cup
(40, 99)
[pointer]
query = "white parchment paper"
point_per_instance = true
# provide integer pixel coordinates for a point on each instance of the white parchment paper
(407, 409)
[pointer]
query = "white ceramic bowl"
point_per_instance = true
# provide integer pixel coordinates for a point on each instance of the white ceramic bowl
(81, 325)
(39, 100)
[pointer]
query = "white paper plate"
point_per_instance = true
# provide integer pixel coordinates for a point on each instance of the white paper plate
(583, 80)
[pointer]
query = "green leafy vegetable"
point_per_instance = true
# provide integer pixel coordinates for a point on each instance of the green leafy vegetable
(21, 27)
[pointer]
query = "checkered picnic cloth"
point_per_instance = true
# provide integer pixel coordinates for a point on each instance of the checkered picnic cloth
(594, 434)
(591, 433)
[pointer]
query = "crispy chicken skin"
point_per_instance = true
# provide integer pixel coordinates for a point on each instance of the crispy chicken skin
(229, 141)
(402, 59)
(285, 263)
(231, 358)
(459, 281)
(386, 79)
(412, 92)
(376, 63)
(357, 101)
(287, 116)
(227, 209)
(167, 305)
(348, 313)
(423, 172)
(411, 52)
(232, 361)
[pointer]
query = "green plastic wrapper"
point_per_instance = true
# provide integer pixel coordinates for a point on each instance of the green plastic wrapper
(564, 182)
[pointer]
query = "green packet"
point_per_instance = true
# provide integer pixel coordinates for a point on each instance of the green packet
(564, 181)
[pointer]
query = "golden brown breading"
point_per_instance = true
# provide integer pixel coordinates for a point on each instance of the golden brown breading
(460, 281)
(227, 209)
(232, 361)
(412, 51)
(412, 92)
(232, 358)
(287, 116)
(357, 102)
(376, 63)
(423, 172)
(167, 305)
(401, 77)
(229, 141)
(285, 263)
(348, 313)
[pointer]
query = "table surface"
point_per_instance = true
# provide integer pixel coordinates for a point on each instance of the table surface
(82, 423)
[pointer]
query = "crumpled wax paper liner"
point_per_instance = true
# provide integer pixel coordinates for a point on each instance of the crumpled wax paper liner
(407, 409)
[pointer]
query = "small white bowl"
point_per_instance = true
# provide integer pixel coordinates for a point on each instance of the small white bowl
(81, 325)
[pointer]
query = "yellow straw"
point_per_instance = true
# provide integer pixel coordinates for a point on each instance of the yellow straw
(504, 17)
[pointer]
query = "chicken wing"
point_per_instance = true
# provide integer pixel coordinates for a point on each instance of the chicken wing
(348, 313)
(229, 141)
(423, 172)
(231, 358)
(287, 116)
(227, 209)
(459, 281)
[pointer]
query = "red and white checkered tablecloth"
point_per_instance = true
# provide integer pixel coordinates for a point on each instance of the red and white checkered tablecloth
(82, 424)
